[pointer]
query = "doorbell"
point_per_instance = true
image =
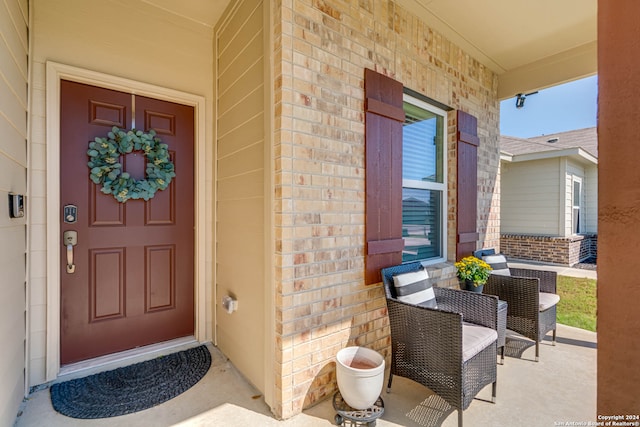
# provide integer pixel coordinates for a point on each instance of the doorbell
(16, 205)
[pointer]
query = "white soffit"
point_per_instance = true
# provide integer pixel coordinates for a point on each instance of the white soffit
(576, 153)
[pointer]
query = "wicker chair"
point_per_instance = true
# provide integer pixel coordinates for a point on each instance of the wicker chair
(427, 344)
(522, 291)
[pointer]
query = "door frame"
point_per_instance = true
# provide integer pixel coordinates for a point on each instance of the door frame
(55, 73)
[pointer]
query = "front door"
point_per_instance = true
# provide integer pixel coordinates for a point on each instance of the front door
(133, 278)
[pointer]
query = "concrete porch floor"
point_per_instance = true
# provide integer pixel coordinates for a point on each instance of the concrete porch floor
(559, 388)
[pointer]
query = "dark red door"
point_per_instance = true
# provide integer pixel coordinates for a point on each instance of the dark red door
(133, 282)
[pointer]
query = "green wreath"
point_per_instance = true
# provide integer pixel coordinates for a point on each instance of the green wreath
(104, 154)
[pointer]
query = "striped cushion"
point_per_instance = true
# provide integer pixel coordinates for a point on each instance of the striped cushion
(415, 288)
(499, 264)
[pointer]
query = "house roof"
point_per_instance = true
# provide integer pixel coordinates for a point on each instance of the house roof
(581, 142)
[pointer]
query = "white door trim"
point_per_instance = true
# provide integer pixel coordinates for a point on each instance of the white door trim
(56, 72)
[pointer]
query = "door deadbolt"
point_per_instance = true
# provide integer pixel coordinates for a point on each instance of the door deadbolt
(70, 214)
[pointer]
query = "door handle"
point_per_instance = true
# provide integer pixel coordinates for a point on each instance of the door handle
(71, 267)
(70, 239)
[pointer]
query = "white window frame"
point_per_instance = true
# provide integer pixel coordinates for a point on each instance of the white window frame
(578, 180)
(437, 186)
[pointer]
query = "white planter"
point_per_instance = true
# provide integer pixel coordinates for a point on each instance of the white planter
(360, 375)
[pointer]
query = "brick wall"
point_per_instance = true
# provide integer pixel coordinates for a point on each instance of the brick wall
(320, 50)
(555, 250)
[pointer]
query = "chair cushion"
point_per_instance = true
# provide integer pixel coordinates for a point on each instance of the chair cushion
(482, 252)
(415, 288)
(476, 338)
(499, 264)
(548, 300)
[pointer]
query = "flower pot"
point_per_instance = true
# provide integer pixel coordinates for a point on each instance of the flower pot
(360, 375)
(470, 286)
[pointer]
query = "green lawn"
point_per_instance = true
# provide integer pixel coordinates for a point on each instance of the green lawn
(577, 306)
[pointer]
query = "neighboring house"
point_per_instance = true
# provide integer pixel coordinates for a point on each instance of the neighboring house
(549, 196)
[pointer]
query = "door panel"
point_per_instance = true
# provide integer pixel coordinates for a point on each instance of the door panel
(106, 284)
(134, 279)
(160, 284)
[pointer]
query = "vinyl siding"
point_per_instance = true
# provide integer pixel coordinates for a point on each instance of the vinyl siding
(240, 148)
(530, 197)
(13, 179)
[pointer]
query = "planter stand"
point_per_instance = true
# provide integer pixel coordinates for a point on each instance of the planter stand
(348, 416)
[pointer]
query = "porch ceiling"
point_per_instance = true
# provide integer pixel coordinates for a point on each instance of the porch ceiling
(205, 12)
(530, 45)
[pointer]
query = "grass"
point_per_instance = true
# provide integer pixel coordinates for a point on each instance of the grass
(577, 306)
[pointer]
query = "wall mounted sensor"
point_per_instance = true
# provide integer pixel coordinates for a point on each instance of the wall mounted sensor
(16, 205)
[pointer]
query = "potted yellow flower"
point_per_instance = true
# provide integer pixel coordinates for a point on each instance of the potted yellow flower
(474, 271)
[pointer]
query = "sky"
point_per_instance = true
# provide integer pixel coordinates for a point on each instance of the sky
(560, 108)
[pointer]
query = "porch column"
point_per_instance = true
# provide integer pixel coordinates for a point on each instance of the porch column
(618, 207)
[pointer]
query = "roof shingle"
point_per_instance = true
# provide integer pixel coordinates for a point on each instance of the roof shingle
(587, 139)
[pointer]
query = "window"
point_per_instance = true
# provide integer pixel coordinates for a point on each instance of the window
(423, 181)
(406, 216)
(577, 197)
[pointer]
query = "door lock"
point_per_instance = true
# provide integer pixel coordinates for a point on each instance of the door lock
(70, 239)
(70, 214)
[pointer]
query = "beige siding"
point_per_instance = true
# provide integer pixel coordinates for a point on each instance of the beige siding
(142, 43)
(240, 184)
(13, 174)
(530, 197)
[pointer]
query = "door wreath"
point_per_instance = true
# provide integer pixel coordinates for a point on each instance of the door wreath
(106, 170)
